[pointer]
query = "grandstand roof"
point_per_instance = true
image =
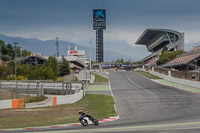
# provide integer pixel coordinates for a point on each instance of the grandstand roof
(184, 59)
(149, 34)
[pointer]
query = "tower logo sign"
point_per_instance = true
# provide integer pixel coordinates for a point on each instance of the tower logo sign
(99, 15)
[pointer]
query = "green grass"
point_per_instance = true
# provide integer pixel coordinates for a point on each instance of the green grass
(60, 79)
(5, 95)
(148, 75)
(99, 106)
(99, 79)
(36, 99)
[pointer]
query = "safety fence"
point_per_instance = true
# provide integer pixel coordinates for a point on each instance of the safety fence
(25, 89)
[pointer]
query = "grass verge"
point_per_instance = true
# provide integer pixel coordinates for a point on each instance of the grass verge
(148, 75)
(99, 106)
(6, 95)
(99, 79)
(60, 79)
(36, 99)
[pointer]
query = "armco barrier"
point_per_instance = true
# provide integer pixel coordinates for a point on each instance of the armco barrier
(67, 99)
(13, 103)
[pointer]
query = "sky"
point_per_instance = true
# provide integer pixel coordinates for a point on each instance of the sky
(71, 20)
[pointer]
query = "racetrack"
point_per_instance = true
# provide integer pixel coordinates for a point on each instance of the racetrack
(140, 100)
(147, 107)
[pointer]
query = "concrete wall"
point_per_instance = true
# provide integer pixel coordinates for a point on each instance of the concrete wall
(191, 83)
(5, 104)
(67, 99)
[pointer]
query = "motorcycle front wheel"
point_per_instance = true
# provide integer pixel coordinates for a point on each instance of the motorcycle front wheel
(84, 122)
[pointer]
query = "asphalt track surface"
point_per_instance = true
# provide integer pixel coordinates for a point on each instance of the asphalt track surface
(145, 106)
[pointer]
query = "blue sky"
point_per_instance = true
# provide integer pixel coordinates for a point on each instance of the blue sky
(71, 20)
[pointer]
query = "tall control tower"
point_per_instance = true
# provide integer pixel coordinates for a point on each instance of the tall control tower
(99, 24)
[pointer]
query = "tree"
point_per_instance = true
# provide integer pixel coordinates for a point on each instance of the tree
(42, 73)
(53, 64)
(5, 71)
(165, 49)
(167, 56)
(64, 68)
(25, 70)
(119, 60)
(25, 52)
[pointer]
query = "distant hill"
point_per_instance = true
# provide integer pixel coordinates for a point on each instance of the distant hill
(47, 48)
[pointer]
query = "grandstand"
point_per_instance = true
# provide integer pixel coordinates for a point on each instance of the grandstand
(33, 59)
(156, 39)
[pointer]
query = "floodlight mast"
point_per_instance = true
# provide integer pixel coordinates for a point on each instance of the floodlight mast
(57, 46)
(15, 59)
(90, 55)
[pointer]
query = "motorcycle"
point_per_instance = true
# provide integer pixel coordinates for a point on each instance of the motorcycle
(85, 121)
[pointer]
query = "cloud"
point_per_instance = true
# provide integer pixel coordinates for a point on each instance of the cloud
(76, 35)
(191, 37)
(129, 37)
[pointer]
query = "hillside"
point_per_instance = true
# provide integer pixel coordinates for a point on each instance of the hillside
(47, 48)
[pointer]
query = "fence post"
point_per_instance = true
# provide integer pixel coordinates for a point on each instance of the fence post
(66, 88)
(1, 91)
(27, 93)
(70, 89)
(16, 89)
(38, 88)
(12, 92)
(63, 88)
(1, 95)
(29, 87)
(42, 90)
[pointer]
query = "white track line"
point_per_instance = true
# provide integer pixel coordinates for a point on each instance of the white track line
(142, 88)
(110, 90)
(136, 85)
(112, 95)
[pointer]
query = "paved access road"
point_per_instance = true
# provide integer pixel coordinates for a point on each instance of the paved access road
(148, 107)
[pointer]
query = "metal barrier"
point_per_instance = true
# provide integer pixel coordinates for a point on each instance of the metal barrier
(20, 89)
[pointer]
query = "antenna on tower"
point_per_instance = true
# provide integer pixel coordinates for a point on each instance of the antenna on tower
(57, 46)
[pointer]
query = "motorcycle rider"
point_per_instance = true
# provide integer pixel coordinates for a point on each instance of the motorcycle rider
(82, 114)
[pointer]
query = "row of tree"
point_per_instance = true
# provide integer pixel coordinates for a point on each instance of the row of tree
(167, 56)
(122, 61)
(7, 51)
(51, 70)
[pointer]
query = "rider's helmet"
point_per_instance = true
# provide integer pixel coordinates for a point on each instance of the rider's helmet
(80, 111)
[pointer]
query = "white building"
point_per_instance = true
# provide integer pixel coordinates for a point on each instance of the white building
(77, 59)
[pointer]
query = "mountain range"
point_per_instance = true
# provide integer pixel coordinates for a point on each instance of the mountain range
(48, 48)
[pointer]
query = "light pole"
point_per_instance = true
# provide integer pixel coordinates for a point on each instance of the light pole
(19, 52)
(90, 55)
(15, 60)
